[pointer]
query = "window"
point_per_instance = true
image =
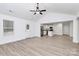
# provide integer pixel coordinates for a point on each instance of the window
(7, 26)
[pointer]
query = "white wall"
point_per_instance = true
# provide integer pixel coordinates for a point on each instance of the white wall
(71, 29)
(37, 28)
(20, 31)
(75, 31)
(57, 28)
(66, 28)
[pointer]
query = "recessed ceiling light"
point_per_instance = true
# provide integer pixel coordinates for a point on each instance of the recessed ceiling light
(10, 11)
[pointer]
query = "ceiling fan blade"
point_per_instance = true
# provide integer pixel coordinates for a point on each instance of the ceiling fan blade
(34, 13)
(32, 10)
(41, 13)
(42, 10)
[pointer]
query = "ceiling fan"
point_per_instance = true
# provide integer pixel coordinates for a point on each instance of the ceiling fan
(38, 10)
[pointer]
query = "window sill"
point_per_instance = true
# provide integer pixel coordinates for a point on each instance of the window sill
(8, 33)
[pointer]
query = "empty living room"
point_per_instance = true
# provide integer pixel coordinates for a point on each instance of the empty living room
(39, 29)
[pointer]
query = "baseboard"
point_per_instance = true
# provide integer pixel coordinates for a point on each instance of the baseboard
(77, 42)
(66, 35)
(57, 34)
(31, 37)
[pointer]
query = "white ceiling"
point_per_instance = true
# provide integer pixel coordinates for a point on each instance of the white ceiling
(22, 9)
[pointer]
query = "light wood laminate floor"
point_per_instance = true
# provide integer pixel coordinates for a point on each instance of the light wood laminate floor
(44, 46)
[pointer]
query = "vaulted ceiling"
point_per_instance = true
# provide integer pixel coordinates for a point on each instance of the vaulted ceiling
(22, 9)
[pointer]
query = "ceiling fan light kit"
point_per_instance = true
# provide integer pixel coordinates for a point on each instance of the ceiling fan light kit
(38, 11)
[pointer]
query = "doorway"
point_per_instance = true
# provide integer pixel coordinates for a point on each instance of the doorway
(44, 32)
